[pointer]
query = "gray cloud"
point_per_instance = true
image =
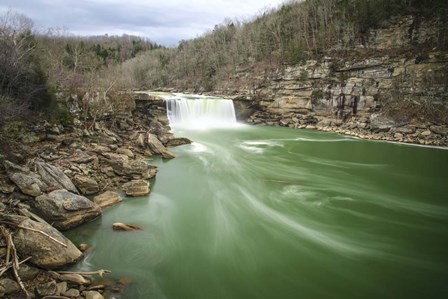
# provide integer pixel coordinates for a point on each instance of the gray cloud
(165, 22)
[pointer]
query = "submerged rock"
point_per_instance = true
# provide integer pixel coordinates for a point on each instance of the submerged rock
(65, 210)
(125, 227)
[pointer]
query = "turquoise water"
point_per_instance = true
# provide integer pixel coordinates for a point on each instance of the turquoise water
(264, 212)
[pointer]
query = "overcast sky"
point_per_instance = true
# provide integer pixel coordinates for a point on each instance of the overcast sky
(163, 21)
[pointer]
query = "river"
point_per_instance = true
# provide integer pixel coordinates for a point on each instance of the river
(266, 212)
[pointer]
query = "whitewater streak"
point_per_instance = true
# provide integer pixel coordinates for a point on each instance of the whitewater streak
(200, 112)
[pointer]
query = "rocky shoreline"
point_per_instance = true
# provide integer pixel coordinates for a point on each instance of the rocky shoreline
(375, 127)
(44, 189)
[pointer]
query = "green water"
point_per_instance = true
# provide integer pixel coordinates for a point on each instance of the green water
(263, 212)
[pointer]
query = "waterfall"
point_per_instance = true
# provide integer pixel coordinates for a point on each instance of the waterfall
(200, 112)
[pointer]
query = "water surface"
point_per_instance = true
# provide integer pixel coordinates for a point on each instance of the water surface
(264, 212)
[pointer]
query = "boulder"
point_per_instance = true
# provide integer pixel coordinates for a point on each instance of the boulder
(44, 251)
(8, 286)
(6, 188)
(136, 188)
(107, 198)
(441, 130)
(28, 182)
(55, 178)
(72, 293)
(93, 295)
(81, 157)
(86, 185)
(27, 272)
(381, 123)
(154, 145)
(74, 278)
(178, 141)
(65, 210)
(47, 289)
(135, 169)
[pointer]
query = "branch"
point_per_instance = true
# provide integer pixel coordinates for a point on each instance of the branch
(99, 272)
(34, 230)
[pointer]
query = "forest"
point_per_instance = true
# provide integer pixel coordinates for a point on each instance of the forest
(34, 66)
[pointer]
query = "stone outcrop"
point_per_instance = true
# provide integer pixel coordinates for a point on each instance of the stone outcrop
(64, 209)
(390, 87)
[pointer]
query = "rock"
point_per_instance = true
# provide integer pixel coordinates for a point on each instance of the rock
(9, 286)
(47, 289)
(405, 130)
(125, 227)
(126, 152)
(55, 297)
(54, 177)
(398, 135)
(44, 252)
(84, 247)
(93, 295)
(136, 188)
(426, 133)
(100, 149)
(61, 288)
(381, 123)
(72, 293)
(27, 272)
(6, 188)
(86, 185)
(178, 141)
(28, 182)
(2, 207)
(107, 198)
(157, 147)
(81, 157)
(65, 210)
(441, 130)
(74, 278)
(136, 169)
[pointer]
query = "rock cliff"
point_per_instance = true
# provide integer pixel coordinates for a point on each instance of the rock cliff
(389, 86)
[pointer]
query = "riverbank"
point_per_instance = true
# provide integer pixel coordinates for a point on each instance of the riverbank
(46, 181)
(373, 127)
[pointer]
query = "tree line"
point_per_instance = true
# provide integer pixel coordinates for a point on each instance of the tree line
(288, 34)
(35, 65)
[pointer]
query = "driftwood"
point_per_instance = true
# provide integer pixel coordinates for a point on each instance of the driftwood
(34, 230)
(99, 272)
(12, 253)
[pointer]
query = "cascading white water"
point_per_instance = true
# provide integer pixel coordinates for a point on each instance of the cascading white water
(199, 112)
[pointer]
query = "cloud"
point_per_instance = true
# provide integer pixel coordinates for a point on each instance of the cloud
(165, 22)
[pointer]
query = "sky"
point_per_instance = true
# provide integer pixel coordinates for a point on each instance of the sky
(163, 21)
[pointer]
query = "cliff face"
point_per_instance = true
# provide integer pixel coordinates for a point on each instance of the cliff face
(389, 86)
